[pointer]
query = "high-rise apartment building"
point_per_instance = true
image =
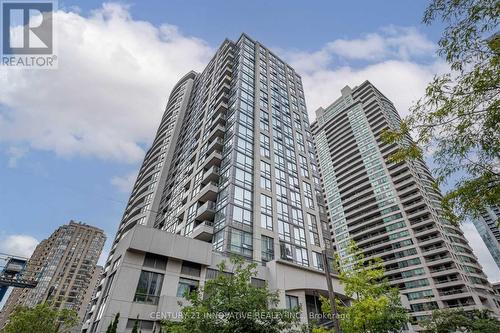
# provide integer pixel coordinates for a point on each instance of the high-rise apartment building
(391, 210)
(487, 227)
(231, 170)
(90, 294)
(64, 265)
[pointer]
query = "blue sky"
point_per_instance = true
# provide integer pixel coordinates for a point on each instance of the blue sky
(305, 25)
(72, 139)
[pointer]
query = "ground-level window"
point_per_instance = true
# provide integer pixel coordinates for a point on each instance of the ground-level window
(292, 302)
(186, 286)
(148, 288)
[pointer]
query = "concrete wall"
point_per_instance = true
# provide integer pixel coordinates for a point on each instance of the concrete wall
(284, 277)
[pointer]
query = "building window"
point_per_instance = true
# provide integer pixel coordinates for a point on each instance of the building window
(241, 242)
(191, 214)
(281, 191)
(267, 248)
(265, 146)
(243, 197)
(265, 183)
(266, 221)
(242, 216)
(420, 294)
(291, 302)
(213, 273)
(266, 204)
(243, 178)
(142, 324)
(301, 256)
(264, 116)
(313, 229)
(156, 261)
(295, 199)
(186, 286)
(265, 175)
(259, 283)
(244, 146)
(286, 251)
(308, 195)
(191, 268)
(149, 288)
(317, 260)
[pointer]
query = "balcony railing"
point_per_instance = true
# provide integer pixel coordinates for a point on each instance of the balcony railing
(206, 211)
(204, 231)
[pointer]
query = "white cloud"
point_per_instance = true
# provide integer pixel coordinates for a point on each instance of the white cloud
(124, 183)
(15, 154)
(403, 82)
(115, 74)
(19, 245)
(372, 46)
(392, 59)
(392, 41)
(109, 92)
(482, 252)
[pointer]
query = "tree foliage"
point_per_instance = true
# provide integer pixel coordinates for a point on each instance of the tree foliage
(42, 318)
(135, 328)
(451, 321)
(229, 303)
(458, 119)
(376, 306)
(113, 326)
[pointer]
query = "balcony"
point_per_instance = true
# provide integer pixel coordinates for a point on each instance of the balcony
(412, 213)
(218, 119)
(453, 293)
(206, 211)
(211, 175)
(220, 107)
(435, 272)
(429, 240)
(217, 132)
(418, 222)
(209, 192)
(215, 145)
(203, 231)
(213, 159)
(224, 87)
(422, 232)
(448, 283)
(439, 260)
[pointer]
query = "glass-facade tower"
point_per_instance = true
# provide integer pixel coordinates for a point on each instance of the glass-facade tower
(487, 227)
(244, 162)
(233, 167)
(391, 210)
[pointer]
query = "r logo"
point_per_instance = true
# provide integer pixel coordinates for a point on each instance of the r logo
(27, 27)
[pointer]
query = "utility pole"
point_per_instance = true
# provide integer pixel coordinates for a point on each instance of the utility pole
(331, 293)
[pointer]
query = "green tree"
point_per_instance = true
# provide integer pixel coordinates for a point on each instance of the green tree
(458, 119)
(42, 318)
(113, 325)
(135, 329)
(375, 307)
(229, 303)
(451, 321)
